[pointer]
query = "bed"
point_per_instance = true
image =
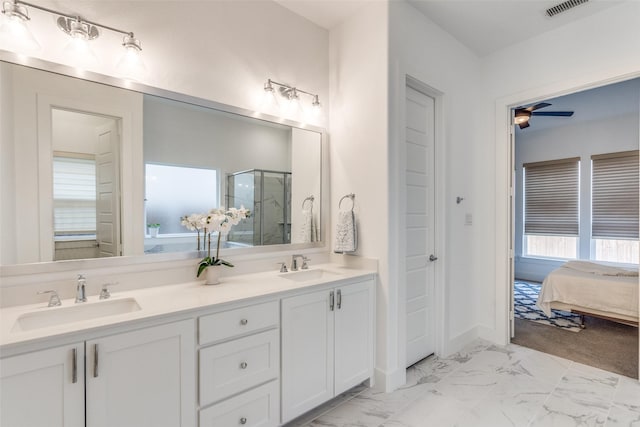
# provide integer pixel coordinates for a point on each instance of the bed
(592, 289)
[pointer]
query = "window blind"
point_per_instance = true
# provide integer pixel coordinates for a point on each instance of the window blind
(614, 192)
(74, 196)
(551, 197)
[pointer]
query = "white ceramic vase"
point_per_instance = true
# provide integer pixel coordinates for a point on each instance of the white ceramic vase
(212, 275)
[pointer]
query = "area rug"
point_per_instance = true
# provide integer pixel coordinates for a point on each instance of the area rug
(525, 296)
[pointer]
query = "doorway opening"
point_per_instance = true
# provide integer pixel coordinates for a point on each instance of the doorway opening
(85, 186)
(572, 194)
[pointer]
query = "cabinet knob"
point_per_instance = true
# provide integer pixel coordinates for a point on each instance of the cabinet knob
(244, 322)
(243, 365)
(243, 420)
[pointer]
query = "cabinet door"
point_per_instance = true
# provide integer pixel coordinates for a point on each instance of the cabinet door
(307, 353)
(144, 378)
(354, 325)
(40, 389)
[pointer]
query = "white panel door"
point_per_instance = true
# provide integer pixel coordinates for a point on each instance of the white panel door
(40, 389)
(419, 213)
(107, 191)
(144, 378)
(307, 353)
(353, 335)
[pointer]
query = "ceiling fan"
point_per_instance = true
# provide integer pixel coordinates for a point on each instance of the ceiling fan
(522, 115)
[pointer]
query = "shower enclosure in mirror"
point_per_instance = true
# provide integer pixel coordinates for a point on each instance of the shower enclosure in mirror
(268, 195)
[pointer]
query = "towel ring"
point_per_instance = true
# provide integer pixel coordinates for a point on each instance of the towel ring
(310, 198)
(348, 196)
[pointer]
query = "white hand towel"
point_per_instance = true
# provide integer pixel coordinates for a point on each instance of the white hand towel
(346, 237)
(307, 228)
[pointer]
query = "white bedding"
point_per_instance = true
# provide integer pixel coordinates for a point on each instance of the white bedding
(610, 293)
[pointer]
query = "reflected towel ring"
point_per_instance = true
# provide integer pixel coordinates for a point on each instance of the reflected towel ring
(348, 196)
(310, 198)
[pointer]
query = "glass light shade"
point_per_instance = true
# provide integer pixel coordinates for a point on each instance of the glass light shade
(80, 53)
(15, 35)
(268, 100)
(292, 104)
(131, 66)
(521, 118)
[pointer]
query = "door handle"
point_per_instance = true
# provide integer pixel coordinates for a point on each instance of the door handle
(432, 257)
(331, 301)
(339, 297)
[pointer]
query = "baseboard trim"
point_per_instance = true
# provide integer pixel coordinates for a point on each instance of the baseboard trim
(460, 341)
(389, 381)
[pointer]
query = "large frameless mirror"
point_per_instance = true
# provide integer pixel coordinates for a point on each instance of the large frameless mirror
(91, 171)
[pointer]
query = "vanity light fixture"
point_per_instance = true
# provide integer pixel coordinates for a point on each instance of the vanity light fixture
(291, 96)
(14, 29)
(81, 32)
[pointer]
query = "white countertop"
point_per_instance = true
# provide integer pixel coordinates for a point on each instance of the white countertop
(165, 300)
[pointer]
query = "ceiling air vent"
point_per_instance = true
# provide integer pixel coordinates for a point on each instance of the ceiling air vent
(563, 7)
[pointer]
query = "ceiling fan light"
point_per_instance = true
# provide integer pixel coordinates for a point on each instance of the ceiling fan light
(521, 117)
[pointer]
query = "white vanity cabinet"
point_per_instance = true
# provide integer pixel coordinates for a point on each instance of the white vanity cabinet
(239, 367)
(139, 378)
(142, 378)
(44, 388)
(327, 345)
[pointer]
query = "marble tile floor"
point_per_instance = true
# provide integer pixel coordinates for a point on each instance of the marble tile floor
(489, 386)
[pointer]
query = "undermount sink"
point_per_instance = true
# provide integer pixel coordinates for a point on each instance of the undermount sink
(55, 316)
(304, 275)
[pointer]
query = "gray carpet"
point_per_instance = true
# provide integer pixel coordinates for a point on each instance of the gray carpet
(603, 344)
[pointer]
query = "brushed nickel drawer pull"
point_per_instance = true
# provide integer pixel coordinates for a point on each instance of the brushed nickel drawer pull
(74, 366)
(243, 365)
(331, 301)
(244, 322)
(339, 297)
(95, 361)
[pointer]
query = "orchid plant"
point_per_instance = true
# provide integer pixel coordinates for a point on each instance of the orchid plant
(217, 221)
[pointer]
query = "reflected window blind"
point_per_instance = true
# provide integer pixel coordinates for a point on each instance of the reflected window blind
(551, 197)
(614, 190)
(74, 195)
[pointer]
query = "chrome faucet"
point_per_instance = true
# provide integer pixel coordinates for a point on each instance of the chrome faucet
(81, 295)
(294, 261)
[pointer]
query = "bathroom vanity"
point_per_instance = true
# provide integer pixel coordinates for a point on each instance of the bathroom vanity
(258, 349)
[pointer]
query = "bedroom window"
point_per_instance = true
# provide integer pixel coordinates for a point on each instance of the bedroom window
(551, 208)
(614, 207)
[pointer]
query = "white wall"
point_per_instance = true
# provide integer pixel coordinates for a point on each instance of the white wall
(422, 50)
(359, 150)
(593, 51)
(217, 50)
(583, 139)
(225, 53)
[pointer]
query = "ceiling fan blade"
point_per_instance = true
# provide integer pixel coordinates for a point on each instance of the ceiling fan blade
(553, 113)
(538, 106)
(524, 125)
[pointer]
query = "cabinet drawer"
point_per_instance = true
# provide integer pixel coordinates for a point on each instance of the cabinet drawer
(256, 408)
(238, 365)
(227, 324)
